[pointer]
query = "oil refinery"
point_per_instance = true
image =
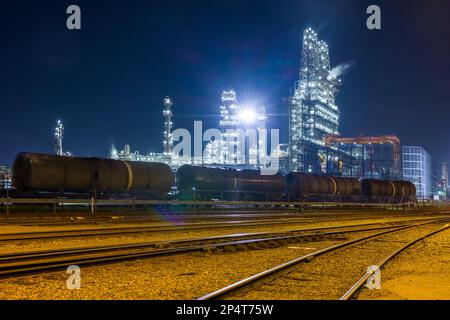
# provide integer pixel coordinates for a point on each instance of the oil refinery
(230, 158)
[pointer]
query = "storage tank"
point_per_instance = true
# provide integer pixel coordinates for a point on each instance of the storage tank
(405, 189)
(42, 172)
(109, 175)
(150, 176)
(302, 185)
(376, 189)
(253, 180)
(191, 178)
(393, 190)
(305, 184)
(32, 171)
(77, 173)
(347, 186)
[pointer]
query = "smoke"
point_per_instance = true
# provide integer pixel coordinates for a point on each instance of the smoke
(341, 69)
(113, 152)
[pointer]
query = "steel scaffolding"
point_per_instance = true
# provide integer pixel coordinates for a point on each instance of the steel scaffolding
(313, 113)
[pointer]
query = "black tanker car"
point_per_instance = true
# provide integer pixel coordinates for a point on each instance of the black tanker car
(52, 175)
(41, 173)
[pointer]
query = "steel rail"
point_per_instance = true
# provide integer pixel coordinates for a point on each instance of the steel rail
(297, 233)
(247, 281)
(13, 268)
(358, 285)
(142, 229)
(146, 229)
(126, 219)
(134, 202)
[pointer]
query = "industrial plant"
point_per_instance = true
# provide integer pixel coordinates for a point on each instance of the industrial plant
(313, 113)
(214, 150)
(315, 145)
(313, 123)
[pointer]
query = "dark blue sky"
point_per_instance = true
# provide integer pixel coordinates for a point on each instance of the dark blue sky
(107, 81)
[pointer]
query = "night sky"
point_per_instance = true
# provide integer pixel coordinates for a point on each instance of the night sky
(107, 81)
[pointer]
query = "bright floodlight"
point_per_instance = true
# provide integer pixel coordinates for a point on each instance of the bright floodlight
(248, 116)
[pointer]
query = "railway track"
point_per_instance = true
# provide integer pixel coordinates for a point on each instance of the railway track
(248, 284)
(351, 293)
(95, 232)
(16, 264)
(79, 219)
(115, 219)
(120, 219)
(42, 235)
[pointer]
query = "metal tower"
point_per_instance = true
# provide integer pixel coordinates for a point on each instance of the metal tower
(313, 113)
(168, 142)
(229, 110)
(229, 119)
(59, 132)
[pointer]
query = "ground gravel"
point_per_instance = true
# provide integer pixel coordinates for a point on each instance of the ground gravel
(331, 275)
(187, 276)
(190, 276)
(55, 243)
(422, 272)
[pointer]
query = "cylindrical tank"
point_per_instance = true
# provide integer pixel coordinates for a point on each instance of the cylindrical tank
(32, 171)
(302, 184)
(78, 173)
(412, 191)
(307, 184)
(374, 188)
(347, 186)
(191, 178)
(41, 172)
(254, 181)
(110, 175)
(404, 189)
(388, 189)
(157, 177)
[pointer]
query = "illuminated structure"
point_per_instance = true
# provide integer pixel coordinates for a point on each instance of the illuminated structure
(213, 153)
(363, 157)
(229, 110)
(229, 121)
(168, 142)
(59, 133)
(283, 158)
(127, 154)
(417, 169)
(444, 174)
(235, 119)
(5, 177)
(166, 157)
(313, 113)
(442, 183)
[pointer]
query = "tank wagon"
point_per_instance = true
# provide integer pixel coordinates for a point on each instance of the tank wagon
(388, 190)
(33, 172)
(300, 186)
(204, 183)
(43, 175)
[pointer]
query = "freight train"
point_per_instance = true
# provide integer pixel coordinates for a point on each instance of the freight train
(50, 175)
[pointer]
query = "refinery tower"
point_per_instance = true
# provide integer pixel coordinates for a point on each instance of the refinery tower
(313, 113)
